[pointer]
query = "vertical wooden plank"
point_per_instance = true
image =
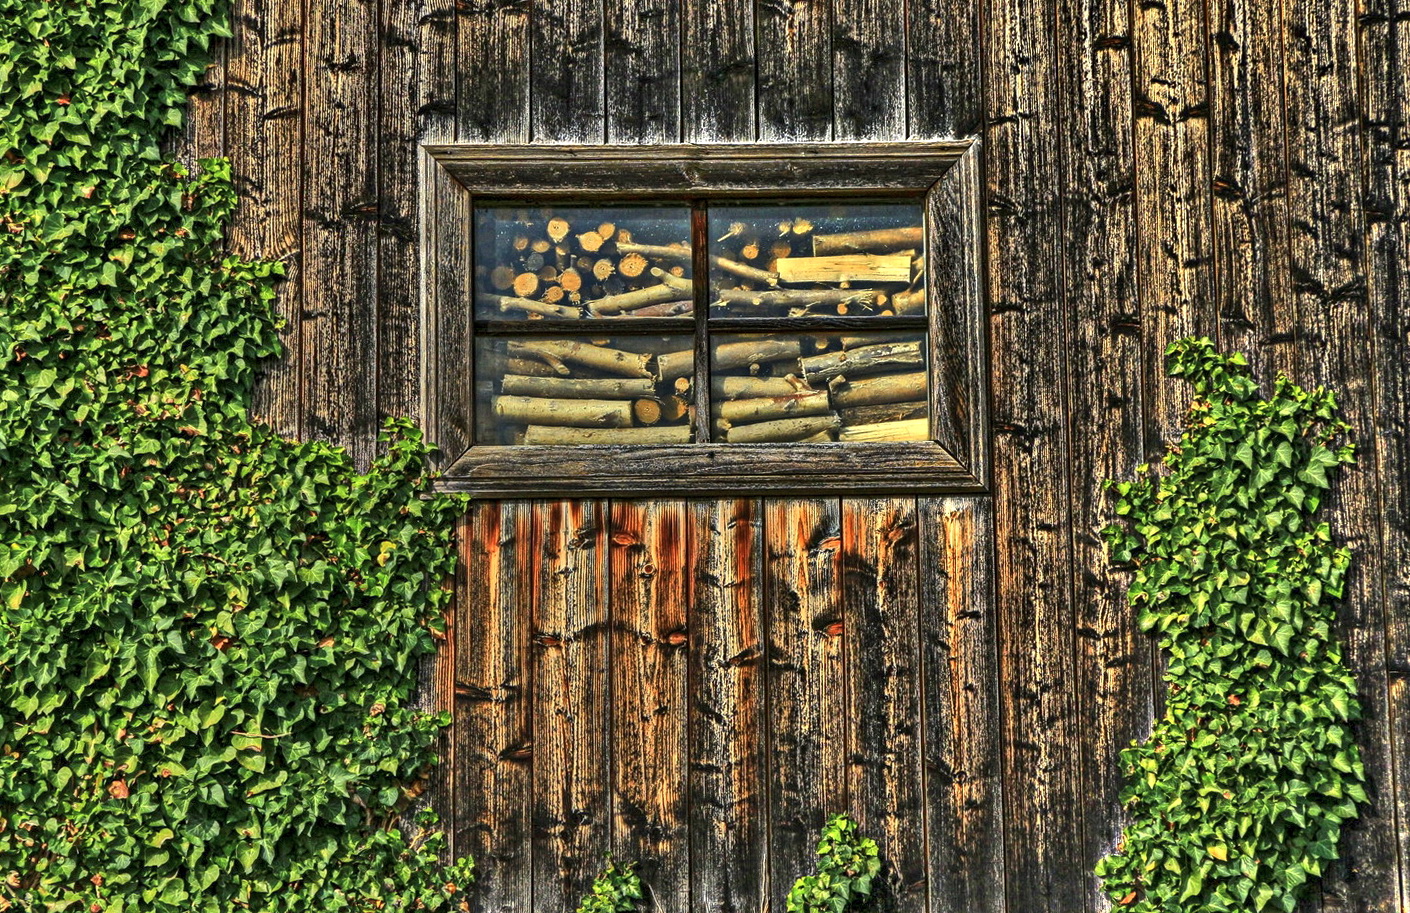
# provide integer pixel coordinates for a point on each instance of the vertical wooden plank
(1174, 263)
(795, 96)
(717, 72)
(1385, 34)
(416, 99)
(651, 579)
(728, 830)
(445, 256)
(1326, 238)
(265, 127)
(881, 606)
(963, 788)
(806, 765)
(1035, 621)
(1114, 679)
(642, 65)
(572, 817)
(493, 720)
(566, 96)
(339, 326)
(492, 69)
(1257, 314)
(203, 133)
(943, 68)
(869, 69)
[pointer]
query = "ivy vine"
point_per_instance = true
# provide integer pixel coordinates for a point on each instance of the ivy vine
(208, 634)
(848, 867)
(1239, 796)
(617, 890)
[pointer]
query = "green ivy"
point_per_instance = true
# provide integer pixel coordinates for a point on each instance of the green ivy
(848, 866)
(1239, 796)
(617, 890)
(208, 634)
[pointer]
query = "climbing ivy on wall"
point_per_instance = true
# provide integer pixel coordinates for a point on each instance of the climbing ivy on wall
(1239, 796)
(208, 634)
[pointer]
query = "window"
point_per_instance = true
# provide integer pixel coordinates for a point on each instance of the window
(705, 320)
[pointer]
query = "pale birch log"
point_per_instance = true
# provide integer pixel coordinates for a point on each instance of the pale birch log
(889, 388)
(580, 413)
(883, 412)
(661, 434)
(601, 358)
(866, 360)
(759, 350)
(506, 303)
(744, 411)
(875, 241)
(578, 387)
(784, 429)
(642, 297)
(731, 387)
(915, 429)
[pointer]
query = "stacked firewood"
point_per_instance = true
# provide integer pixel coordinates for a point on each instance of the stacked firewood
(581, 391)
(787, 269)
(545, 265)
(828, 387)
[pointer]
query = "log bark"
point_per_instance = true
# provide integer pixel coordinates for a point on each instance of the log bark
(756, 351)
(578, 387)
(883, 412)
(866, 360)
(795, 297)
(660, 251)
(915, 429)
(762, 409)
(675, 365)
(912, 302)
(626, 301)
(664, 309)
(875, 241)
(846, 268)
(784, 429)
(890, 388)
(601, 358)
(550, 434)
(745, 271)
(676, 282)
(506, 303)
(754, 387)
(579, 413)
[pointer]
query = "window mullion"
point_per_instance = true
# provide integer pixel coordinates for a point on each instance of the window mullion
(700, 271)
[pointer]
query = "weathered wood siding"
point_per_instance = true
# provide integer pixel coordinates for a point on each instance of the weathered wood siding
(961, 672)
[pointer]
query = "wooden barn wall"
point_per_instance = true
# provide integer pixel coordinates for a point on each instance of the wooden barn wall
(1237, 168)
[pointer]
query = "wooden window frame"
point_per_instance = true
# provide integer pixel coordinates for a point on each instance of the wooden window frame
(947, 173)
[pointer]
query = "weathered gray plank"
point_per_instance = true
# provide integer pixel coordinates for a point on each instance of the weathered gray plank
(943, 41)
(717, 72)
(492, 66)
(881, 644)
(869, 69)
(651, 581)
(960, 706)
(795, 93)
(565, 67)
(728, 792)
(807, 683)
(642, 66)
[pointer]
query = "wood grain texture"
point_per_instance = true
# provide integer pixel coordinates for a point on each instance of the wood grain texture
(943, 46)
(1248, 165)
(567, 92)
(651, 590)
(447, 379)
(960, 705)
(1114, 679)
(1174, 261)
(642, 71)
(869, 69)
(795, 100)
(492, 63)
(1326, 238)
(806, 764)
(1400, 773)
(339, 319)
(571, 808)
(717, 72)
(728, 713)
(202, 135)
(881, 616)
(264, 100)
(1035, 620)
(493, 730)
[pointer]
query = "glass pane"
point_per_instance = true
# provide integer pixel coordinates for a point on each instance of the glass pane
(567, 262)
(816, 260)
(556, 389)
(815, 387)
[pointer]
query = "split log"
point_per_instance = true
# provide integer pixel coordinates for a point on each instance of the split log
(846, 268)
(784, 429)
(660, 251)
(752, 273)
(866, 360)
(570, 279)
(607, 230)
(590, 241)
(890, 388)
(743, 411)
(756, 351)
(754, 387)
(557, 229)
(915, 429)
(912, 302)
(525, 284)
(883, 412)
(578, 387)
(505, 304)
(601, 358)
(647, 411)
(875, 241)
(795, 297)
(661, 434)
(626, 301)
(578, 413)
(603, 269)
(632, 265)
